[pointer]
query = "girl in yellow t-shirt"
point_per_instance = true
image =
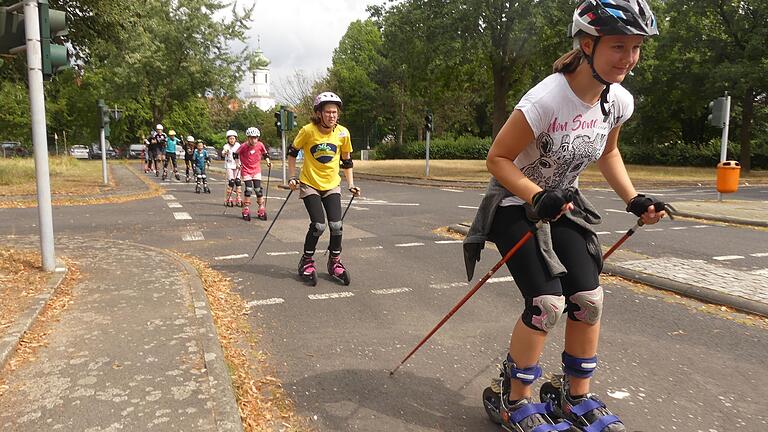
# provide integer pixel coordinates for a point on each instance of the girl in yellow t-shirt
(327, 148)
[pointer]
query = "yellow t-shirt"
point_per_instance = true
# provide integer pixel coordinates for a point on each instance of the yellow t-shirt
(322, 153)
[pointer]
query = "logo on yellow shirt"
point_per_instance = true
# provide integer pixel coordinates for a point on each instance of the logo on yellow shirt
(323, 152)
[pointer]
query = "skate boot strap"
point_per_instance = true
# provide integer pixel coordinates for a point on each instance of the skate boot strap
(592, 403)
(529, 409)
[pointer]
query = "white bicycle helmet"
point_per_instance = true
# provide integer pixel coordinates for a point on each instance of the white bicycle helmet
(231, 133)
(159, 127)
(613, 17)
(324, 98)
(253, 132)
(190, 138)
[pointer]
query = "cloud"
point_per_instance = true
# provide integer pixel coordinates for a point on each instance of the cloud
(301, 34)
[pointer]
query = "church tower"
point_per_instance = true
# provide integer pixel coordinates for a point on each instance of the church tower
(258, 85)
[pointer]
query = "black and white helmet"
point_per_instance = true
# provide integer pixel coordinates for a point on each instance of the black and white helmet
(613, 17)
(324, 98)
(252, 132)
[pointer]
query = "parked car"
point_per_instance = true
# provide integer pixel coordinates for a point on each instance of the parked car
(180, 152)
(275, 153)
(96, 151)
(12, 149)
(79, 152)
(213, 153)
(136, 151)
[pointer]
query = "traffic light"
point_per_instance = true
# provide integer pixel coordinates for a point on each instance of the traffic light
(428, 122)
(279, 121)
(291, 121)
(53, 23)
(717, 115)
(103, 116)
(11, 31)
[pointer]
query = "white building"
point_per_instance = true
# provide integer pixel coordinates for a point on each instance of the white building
(258, 82)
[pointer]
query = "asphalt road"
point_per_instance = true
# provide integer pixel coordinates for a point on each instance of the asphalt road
(664, 365)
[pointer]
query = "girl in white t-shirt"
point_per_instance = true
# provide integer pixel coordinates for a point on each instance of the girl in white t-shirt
(232, 167)
(569, 120)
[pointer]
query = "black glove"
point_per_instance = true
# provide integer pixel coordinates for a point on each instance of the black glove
(639, 204)
(548, 204)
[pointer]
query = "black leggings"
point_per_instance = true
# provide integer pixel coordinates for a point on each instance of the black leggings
(172, 157)
(527, 265)
(315, 204)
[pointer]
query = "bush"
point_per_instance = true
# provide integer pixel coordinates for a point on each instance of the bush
(463, 147)
(676, 153)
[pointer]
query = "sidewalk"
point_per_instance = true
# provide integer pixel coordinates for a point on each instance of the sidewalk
(746, 291)
(133, 351)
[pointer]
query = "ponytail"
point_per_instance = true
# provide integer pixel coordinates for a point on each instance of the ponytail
(569, 61)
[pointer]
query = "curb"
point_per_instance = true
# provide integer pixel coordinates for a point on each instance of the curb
(726, 219)
(423, 182)
(687, 290)
(27, 318)
(225, 409)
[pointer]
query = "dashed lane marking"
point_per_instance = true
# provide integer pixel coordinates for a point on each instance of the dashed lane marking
(701, 226)
(391, 290)
(468, 207)
(615, 211)
(270, 301)
(409, 244)
(193, 236)
(761, 272)
(759, 254)
(501, 279)
(181, 215)
(174, 204)
(448, 241)
(452, 190)
(229, 257)
(373, 247)
(678, 228)
(727, 257)
(603, 232)
(283, 253)
(168, 197)
(654, 229)
(448, 285)
(330, 295)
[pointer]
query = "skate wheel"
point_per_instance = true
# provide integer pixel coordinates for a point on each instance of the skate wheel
(313, 280)
(549, 393)
(492, 404)
(345, 279)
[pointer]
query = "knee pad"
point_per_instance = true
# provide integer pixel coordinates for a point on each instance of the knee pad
(525, 375)
(335, 227)
(238, 182)
(317, 229)
(231, 183)
(204, 176)
(248, 191)
(590, 306)
(259, 192)
(544, 312)
(579, 367)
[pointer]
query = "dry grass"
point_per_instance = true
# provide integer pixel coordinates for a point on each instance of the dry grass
(264, 405)
(69, 176)
(475, 171)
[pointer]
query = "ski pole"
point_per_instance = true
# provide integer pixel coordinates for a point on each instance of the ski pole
(347, 209)
(270, 226)
(477, 286)
(266, 194)
(667, 207)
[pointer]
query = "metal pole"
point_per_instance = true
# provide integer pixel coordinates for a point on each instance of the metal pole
(285, 165)
(724, 137)
(39, 141)
(102, 141)
(56, 142)
(66, 151)
(427, 158)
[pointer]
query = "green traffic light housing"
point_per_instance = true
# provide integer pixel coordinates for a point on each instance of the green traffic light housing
(53, 23)
(11, 31)
(717, 112)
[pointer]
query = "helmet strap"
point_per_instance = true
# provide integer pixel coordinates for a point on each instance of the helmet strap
(598, 78)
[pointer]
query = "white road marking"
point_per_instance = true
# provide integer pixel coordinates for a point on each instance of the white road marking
(620, 232)
(372, 247)
(654, 229)
(501, 279)
(409, 244)
(615, 211)
(181, 215)
(452, 190)
(759, 254)
(469, 207)
(229, 257)
(448, 241)
(678, 228)
(448, 285)
(701, 226)
(168, 197)
(270, 301)
(390, 290)
(174, 204)
(602, 232)
(618, 394)
(330, 295)
(761, 272)
(728, 257)
(193, 236)
(283, 253)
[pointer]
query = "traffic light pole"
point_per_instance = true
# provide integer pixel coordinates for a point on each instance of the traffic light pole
(39, 140)
(724, 139)
(427, 154)
(103, 144)
(285, 168)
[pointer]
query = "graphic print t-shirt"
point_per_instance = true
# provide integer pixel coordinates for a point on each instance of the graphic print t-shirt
(250, 158)
(229, 158)
(569, 133)
(322, 153)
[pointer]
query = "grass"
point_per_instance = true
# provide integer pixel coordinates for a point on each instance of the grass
(69, 176)
(475, 171)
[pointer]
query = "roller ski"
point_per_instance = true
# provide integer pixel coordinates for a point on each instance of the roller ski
(229, 203)
(261, 213)
(522, 415)
(246, 214)
(206, 189)
(198, 189)
(165, 174)
(337, 270)
(176, 174)
(586, 413)
(239, 202)
(307, 271)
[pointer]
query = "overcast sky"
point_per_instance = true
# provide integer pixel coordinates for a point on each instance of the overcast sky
(302, 34)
